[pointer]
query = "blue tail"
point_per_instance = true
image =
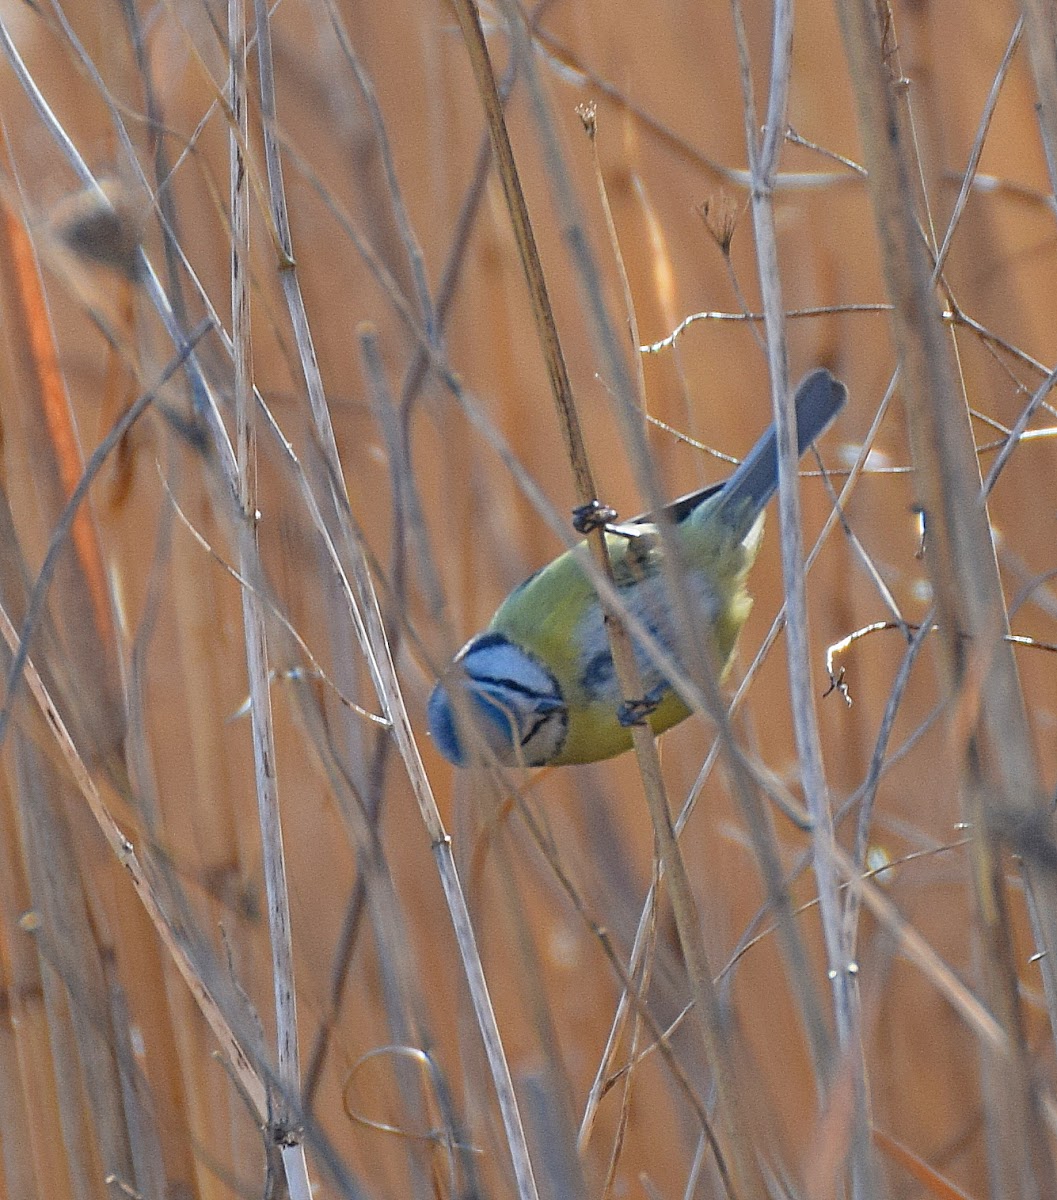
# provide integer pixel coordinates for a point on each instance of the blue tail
(819, 398)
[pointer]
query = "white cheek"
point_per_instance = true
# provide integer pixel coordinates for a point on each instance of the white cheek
(546, 741)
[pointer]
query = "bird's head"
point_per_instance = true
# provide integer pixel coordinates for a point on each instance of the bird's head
(498, 698)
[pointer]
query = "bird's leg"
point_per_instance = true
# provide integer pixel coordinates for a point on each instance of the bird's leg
(635, 712)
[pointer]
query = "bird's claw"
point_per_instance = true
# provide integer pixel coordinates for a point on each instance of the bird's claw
(596, 515)
(635, 712)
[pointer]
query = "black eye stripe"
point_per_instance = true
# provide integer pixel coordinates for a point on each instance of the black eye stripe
(512, 685)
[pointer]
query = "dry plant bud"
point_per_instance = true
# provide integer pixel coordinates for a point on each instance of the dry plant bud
(588, 114)
(720, 215)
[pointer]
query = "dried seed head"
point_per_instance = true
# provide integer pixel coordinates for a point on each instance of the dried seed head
(102, 226)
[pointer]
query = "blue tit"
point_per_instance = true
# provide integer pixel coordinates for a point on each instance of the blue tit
(538, 686)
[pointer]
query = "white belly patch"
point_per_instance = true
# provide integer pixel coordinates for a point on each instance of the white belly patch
(649, 600)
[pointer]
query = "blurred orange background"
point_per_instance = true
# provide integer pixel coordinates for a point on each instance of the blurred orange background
(450, 532)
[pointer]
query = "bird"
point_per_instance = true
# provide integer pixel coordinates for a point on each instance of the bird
(538, 687)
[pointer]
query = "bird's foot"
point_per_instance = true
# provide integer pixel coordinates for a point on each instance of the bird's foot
(635, 712)
(596, 515)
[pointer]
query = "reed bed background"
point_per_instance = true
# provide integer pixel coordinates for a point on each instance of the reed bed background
(279, 434)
